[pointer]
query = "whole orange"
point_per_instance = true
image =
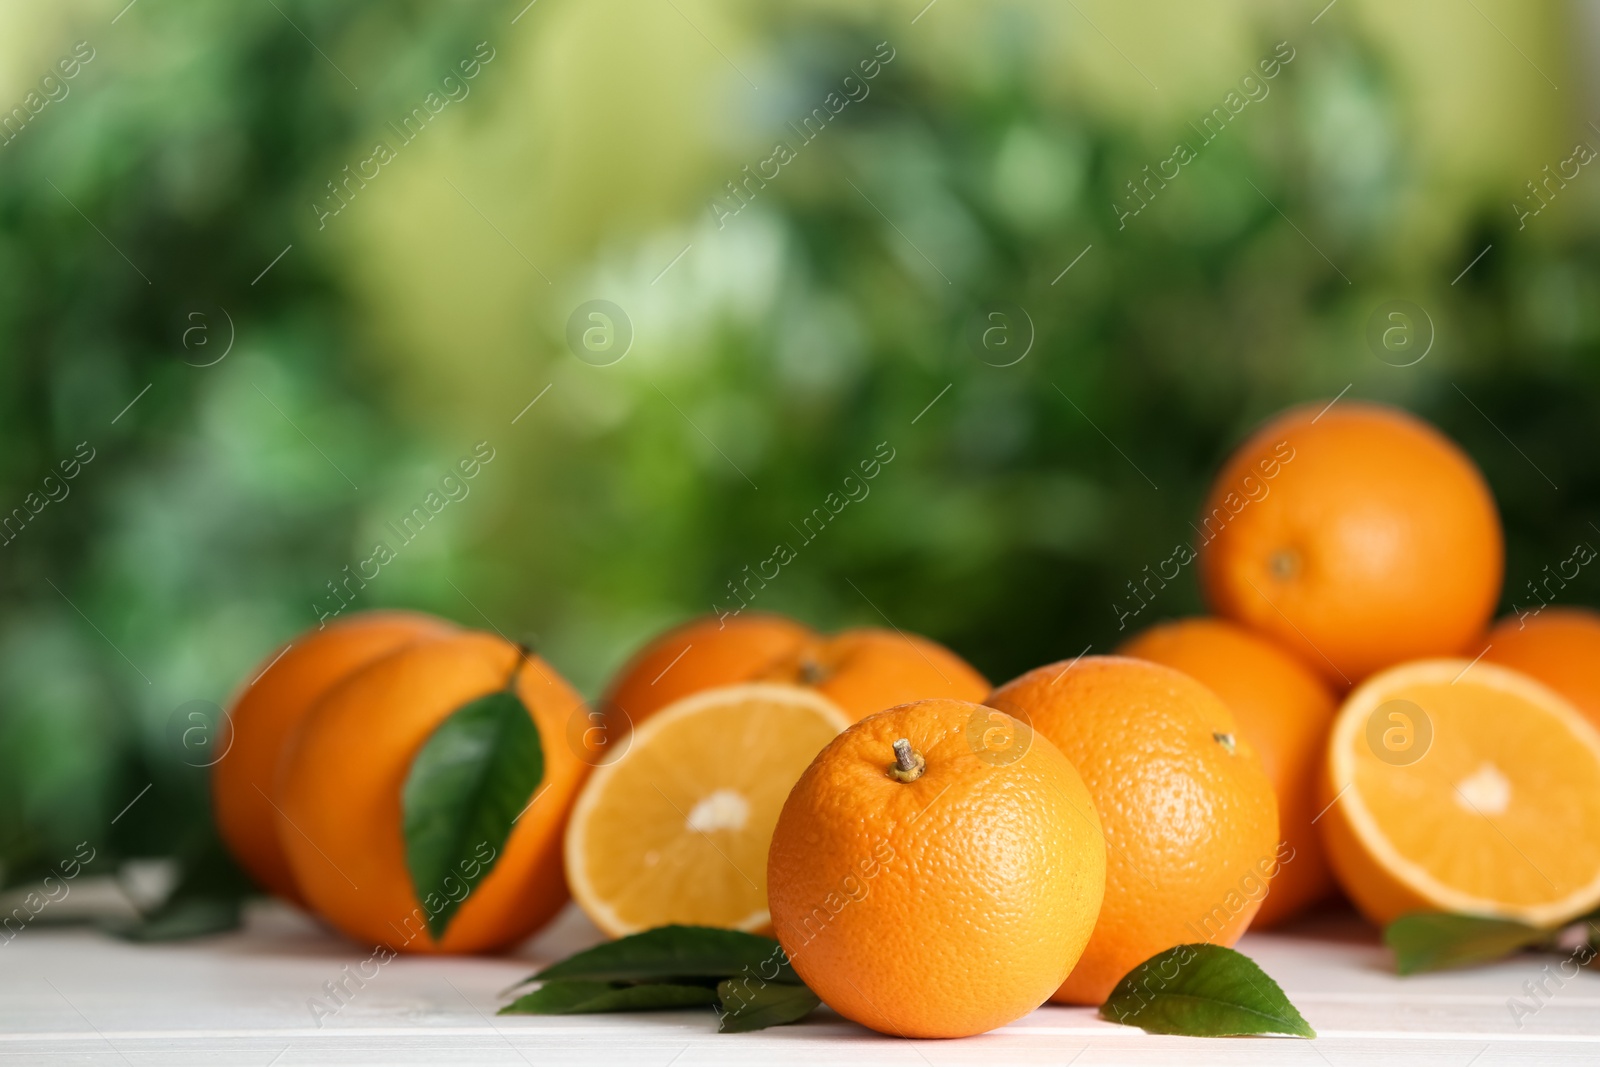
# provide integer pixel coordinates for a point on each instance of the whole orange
(1285, 711)
(863, 670)
(701, 654)
(339, 796)
(867, 670)
(265, 710)
(1356, 535)
(943, 900)
(1190, 821)
(1558, 646)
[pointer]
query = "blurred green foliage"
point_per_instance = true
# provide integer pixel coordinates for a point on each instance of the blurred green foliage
(820, 321)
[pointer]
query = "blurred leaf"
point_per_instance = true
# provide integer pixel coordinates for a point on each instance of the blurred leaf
(180, 920)
(208, 899)
(1426, 941)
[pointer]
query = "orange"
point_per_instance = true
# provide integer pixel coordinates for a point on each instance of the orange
(701, 654)
(676, 830)
(862, 670)
(1285, 711)
(265, 711)
(1558, 646)
(1190, 820)
(339, 796)
(1467, 788)
(867, 670)
(942, 901)
(1355, 535)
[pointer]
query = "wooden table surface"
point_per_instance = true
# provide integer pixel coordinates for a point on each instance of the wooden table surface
(73, 995)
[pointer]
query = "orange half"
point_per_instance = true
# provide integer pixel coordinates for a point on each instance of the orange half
(1464, 787)
(676, 829)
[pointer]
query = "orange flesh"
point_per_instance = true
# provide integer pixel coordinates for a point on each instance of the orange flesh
(1505, 814)
(677, 830)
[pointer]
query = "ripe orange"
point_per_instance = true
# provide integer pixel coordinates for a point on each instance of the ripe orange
(1285, 711)
(339, 796)
(1467, 788)
(265, 711)
(1560, 647)
(862, 670)
(677, 830)
(701, 654)
(944, 901)
(1190, 821)
(868, 670)
(1355, 535)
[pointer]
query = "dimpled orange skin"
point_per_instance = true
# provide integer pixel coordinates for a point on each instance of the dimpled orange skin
(1189, 825)
(944, 906)
(340, 793)
(1285, 711)
(270, 703)
(867, 670)
(1560, 647)
(1357, 537)
(701, 654)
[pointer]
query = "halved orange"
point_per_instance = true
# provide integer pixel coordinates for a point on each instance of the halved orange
(676, 829)
(1463, 787)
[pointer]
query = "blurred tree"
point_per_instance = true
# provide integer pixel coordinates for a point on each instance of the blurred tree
(144, 219)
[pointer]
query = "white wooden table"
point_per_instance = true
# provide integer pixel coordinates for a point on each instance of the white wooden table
(72, 995)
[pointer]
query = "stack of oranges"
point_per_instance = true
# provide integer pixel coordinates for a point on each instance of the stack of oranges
(1460, 769)
(938, 857)
(308, 797)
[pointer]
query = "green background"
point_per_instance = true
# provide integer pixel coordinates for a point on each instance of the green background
(777, 352)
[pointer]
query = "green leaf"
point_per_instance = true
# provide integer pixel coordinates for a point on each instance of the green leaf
(1424, 941)
(178, 920)
(580, 998)
(677, 952)
(467, 785)
(658, 969)
(751, 1004)
(208, 899)
(1203, 991)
